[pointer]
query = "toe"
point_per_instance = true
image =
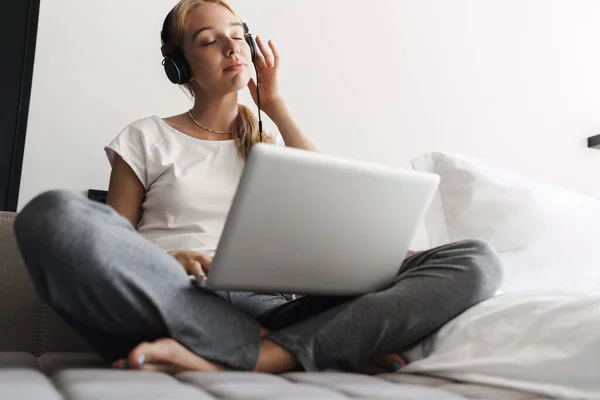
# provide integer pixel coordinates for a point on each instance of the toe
(167, 355)
(139, 355)
(162, 367)
(119, 364)
(391, 362)
(372, 370)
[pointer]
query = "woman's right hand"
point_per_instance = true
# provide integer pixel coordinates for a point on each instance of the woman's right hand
(193, 263)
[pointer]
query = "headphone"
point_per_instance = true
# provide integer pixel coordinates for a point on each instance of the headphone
(178, 69)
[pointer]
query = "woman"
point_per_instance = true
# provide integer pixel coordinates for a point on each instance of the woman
(126, 292)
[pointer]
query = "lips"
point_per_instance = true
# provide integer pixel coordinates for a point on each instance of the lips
(235, 67)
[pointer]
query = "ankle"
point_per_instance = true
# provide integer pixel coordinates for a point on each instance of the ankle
(264, 332)
(274, 359)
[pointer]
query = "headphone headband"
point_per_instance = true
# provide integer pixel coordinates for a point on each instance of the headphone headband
(168, 49)
(165, 36)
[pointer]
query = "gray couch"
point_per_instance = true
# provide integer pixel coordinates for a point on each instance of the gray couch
(42, 358)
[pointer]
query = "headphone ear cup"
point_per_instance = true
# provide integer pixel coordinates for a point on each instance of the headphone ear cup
(250, 42)
(177, 70)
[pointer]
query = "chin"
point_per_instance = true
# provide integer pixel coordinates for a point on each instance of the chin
(240, 82)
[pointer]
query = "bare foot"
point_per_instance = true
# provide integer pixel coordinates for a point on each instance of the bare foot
(391, 362)
(274, 359)
(165, 355)
(169, 356)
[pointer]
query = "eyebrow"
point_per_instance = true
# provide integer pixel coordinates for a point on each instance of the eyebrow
(199, 31)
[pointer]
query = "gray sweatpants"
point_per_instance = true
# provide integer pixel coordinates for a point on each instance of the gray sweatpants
(118, 289)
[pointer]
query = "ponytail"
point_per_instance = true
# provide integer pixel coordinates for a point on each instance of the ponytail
(246, 131)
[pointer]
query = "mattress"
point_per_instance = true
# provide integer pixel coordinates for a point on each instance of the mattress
(76, 376)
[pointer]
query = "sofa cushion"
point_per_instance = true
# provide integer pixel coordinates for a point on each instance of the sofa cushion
(18, 383)
(52, 363)
(26, 324)
(19, 307)
(80, 377)
(17, 360)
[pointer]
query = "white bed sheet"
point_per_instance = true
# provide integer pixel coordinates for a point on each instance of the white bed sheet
(546, 342)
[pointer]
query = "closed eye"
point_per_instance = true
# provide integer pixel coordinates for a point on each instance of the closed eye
(214, 41)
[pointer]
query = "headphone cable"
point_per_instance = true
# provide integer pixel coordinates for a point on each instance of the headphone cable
(260, 130)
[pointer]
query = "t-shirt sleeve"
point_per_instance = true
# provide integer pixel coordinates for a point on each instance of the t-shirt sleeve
(131, 146)
(277, 138)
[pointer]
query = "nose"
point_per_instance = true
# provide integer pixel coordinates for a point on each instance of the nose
(232, 48)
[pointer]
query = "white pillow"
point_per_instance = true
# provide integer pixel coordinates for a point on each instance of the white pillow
(547, 237)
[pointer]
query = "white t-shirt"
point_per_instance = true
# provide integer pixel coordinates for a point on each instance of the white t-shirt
(190, 183)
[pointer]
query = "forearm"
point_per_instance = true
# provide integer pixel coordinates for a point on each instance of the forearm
(288, 128)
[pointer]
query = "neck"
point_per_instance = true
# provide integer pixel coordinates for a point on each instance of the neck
(216, 113)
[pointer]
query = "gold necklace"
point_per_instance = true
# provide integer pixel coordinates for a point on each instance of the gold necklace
(207, 129)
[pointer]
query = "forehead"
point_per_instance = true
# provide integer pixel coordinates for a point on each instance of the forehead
(210, 15)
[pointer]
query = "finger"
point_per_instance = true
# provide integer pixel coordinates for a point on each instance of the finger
(203, 259)
(259, 57)
(266, 51)
(195, 269)
(276, 57)
(265, 55)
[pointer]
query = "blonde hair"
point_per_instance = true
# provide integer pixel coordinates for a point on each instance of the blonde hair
(246, 125)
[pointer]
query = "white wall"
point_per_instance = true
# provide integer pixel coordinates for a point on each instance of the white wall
(513, 81)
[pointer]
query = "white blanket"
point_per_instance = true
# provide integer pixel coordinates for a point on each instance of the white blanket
(546, 342)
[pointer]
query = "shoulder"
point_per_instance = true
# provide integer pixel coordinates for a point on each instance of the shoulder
(145, 133)
(150, 128)
(276, 137)
(138, 138)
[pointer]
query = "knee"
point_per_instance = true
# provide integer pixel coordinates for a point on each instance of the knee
(483, 267)
(43, 216)
(37, 230)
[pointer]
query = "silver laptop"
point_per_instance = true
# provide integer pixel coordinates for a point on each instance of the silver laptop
(309, 223)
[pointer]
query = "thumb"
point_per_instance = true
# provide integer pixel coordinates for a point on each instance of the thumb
(252, 86)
